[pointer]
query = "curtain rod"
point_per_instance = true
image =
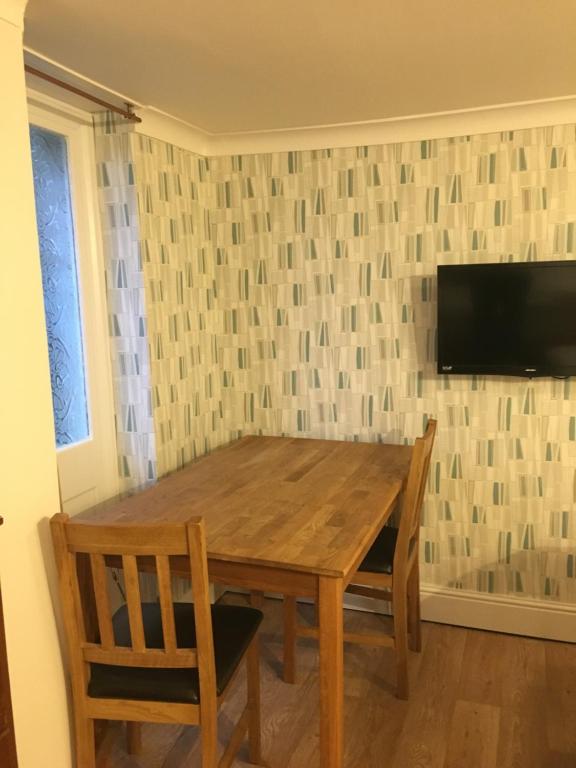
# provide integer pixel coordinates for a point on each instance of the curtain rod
(127, 113)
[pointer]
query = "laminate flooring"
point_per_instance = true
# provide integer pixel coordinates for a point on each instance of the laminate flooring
(478, 700)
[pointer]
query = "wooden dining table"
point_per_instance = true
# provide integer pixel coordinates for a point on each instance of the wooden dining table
(286, 515)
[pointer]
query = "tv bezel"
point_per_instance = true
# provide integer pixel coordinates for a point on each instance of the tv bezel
(478, 369)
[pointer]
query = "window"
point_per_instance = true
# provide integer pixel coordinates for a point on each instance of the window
(60, 285)
(64, 169)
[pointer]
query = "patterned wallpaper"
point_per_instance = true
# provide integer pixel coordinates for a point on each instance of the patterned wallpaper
(328, 295)
(295, 293)
(182, 286)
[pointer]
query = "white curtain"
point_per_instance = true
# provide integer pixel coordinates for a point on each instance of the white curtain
(126, 302)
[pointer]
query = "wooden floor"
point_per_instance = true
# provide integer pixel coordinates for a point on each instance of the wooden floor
(479, 700)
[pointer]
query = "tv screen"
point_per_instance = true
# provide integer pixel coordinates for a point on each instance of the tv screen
(510, 319)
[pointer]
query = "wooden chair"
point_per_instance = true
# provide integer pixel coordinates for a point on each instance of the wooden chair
(161, 662)
(389, 572)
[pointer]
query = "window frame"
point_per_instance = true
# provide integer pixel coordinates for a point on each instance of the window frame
(76, 126)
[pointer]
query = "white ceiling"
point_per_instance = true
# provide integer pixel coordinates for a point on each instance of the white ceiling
(244, 65)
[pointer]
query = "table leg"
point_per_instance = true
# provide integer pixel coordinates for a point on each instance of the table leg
(290, 620)
(330, 616)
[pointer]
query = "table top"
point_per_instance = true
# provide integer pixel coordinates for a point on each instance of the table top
(294, 503)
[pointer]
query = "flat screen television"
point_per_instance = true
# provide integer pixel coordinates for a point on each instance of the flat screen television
(513, 319)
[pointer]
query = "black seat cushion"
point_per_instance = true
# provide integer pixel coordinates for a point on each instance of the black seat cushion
(233, 627)
(380, 557)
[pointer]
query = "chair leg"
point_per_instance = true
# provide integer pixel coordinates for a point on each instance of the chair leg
(289, 639)
(415, 637)
(85, 744)
(209, 736)
(253, 672)
(401, 639)
(254, 729)
(134, 738)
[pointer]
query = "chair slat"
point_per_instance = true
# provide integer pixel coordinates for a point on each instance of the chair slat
(102, 601)
(369, 638)
(372, 592)
(133, 601)
(151, 657)
(166, 604)
(129, 539)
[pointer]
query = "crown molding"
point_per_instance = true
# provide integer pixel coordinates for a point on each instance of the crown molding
(159, 125)
(505, 117)
(71, 76)
(57, 107)
(479, 120)
(156, 124)
(12, 12)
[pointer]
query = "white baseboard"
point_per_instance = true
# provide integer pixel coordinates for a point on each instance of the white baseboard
(510, 615)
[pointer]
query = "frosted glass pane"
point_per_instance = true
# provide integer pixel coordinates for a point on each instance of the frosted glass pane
(60, 284)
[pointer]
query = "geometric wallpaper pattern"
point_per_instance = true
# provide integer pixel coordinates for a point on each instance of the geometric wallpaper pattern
(295, 293)
(181, 302)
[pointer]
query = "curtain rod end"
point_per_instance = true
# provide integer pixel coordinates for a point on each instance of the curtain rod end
(130, 114)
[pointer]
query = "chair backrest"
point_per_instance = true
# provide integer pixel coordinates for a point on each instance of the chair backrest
(409, 528)
(74, 541)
